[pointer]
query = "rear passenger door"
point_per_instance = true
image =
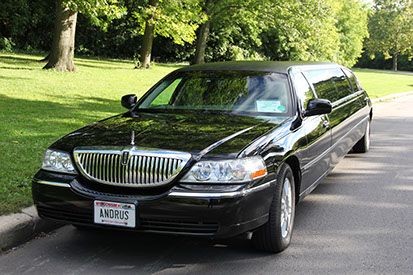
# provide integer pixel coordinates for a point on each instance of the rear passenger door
(332, 84)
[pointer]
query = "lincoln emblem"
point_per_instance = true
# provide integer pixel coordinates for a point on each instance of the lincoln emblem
(125, 157)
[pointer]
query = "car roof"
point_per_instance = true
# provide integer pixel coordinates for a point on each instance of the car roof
(265, 66)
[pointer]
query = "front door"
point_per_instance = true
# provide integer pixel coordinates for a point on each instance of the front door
(315, 157)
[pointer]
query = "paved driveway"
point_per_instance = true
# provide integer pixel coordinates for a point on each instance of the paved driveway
(359, 220)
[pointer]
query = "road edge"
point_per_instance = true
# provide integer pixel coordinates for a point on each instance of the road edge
(391, 97)
(18, 228)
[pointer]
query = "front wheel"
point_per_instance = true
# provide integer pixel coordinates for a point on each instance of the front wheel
(275, 235)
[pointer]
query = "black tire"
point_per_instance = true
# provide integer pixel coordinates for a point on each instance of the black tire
(269, 237)
(363, 145)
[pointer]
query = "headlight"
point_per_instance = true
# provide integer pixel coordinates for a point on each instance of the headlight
(227, 171)
(58, 161)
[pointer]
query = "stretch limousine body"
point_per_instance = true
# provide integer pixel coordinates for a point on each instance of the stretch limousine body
(212, 150)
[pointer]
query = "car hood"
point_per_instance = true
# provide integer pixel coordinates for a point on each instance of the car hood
(196, 133)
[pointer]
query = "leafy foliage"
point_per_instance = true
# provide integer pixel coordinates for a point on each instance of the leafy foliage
(316, 30)
(236, 28)
(303, 30)
(174, 19)
(287, 30)
(351, 25)
(391, 28)
(240, 29)
(100, 12)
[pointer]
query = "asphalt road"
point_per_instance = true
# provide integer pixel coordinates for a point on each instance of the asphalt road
(359, 220)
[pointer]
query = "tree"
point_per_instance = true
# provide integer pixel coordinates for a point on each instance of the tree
(282, 30)
(62, 51)
(391, 29)
(175, 19)
(301, 30)
(351, 25)
(228, 19)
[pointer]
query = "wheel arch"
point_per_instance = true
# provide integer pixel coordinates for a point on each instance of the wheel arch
(294, 163)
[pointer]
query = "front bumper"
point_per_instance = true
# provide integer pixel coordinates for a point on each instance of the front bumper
(177, 211)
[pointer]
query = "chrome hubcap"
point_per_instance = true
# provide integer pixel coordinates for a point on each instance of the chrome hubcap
(286, 208)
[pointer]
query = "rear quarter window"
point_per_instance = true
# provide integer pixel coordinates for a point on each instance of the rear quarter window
(352, 79)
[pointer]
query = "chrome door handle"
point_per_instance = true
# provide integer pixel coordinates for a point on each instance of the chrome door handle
(326, 123)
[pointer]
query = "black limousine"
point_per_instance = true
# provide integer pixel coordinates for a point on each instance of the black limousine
(216, 150)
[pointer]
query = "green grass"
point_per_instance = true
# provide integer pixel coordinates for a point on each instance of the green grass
(37, 107)
(381, 83)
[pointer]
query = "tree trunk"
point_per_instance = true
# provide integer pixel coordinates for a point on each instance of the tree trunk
(146, 50)
(62, 52)
(395, 61)
(201, 42)
(145, 56)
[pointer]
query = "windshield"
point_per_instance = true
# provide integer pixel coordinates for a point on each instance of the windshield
(235, 91)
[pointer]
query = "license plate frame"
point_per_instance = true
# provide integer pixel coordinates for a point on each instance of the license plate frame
(118, 214)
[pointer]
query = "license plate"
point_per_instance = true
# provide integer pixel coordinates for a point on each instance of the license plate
(115, 213)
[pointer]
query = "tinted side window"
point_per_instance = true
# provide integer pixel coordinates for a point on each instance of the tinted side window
(303, 89)
(352, 79)
(330, 84)
(165, 97)
(342, 84)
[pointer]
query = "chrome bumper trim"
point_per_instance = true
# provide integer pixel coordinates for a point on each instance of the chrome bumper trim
(220, 195)
(53, 183)
(181, 194)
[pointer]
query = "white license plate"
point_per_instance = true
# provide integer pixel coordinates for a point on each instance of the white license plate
(115, 213)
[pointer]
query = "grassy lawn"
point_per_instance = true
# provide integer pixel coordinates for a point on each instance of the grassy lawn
(37, 107)
(381, 83)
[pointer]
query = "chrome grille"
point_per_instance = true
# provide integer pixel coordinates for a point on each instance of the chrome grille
(130, 167)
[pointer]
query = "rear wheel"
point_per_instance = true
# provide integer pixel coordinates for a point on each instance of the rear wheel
(363, 145)
(275, 235)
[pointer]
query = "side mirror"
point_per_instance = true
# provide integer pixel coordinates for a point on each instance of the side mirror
(129, 101)
(318, 106)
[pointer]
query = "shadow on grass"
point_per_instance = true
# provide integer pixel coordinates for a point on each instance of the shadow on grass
(374, 71)
(13, 78)
(99, 60)
(11, 59)
(16, 68)
(115, 64)
(19, 63)
(22, 63)
(102, 66)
